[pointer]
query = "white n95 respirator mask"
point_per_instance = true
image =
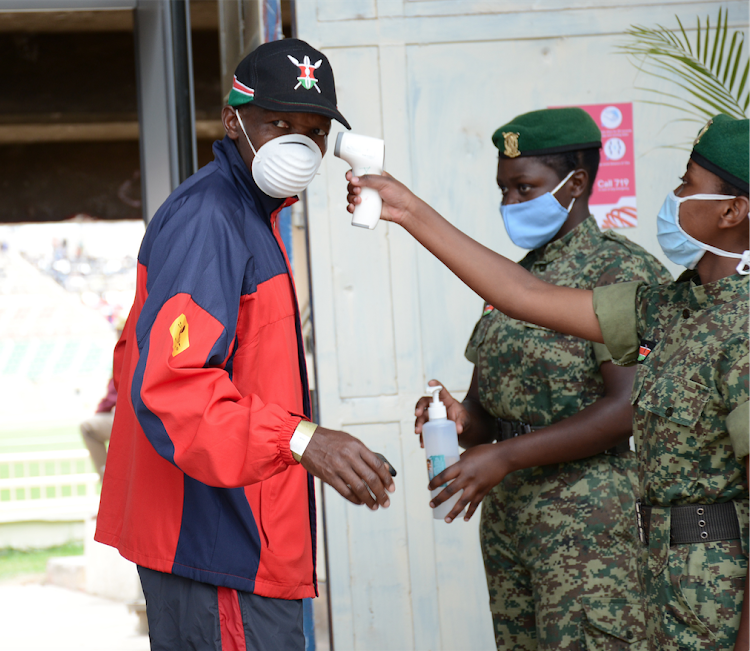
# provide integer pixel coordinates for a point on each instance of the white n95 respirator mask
(284, 166)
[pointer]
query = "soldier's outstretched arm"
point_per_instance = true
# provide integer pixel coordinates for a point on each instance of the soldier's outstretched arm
(499, 281)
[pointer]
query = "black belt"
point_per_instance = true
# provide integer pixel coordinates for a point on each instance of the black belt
(508, 429)
(692, 523)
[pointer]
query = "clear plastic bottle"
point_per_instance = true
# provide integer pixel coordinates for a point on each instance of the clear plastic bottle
(440, 448)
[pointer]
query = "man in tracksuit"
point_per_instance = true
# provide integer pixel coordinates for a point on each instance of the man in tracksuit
(209, 479)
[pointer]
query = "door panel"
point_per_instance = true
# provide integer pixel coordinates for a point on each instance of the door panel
(435, 78)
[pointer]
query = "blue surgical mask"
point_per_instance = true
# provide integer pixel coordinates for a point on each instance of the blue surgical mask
(681, 248)
(533, 223)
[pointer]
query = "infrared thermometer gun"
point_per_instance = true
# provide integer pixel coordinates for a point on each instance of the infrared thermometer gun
(366, 156)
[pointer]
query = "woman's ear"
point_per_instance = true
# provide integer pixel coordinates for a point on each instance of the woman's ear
(580, 181)
(735, 213)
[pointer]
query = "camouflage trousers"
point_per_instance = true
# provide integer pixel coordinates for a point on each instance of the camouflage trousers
(560, 555)
(694, 592)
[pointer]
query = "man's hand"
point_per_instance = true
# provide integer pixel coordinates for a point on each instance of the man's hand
(347, 465)
(398, 200)
(479, 470)
(456, 411)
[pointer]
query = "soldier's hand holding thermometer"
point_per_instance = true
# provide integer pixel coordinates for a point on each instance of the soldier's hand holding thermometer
(366, 156)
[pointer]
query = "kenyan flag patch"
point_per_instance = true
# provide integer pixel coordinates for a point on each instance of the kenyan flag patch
(644, 350)
(240, 93)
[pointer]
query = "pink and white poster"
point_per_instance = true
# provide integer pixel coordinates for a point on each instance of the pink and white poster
(613, 202)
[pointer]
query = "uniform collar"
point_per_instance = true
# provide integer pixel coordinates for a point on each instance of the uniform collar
(582, 236)
(229, 159)
(725, 290)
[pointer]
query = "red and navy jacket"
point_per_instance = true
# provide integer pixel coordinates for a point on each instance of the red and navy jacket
(211, 380)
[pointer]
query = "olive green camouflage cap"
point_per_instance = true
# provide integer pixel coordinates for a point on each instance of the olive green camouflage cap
(723, 148)
(548, 131)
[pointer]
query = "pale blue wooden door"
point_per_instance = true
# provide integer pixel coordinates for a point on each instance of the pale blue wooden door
(434, 78)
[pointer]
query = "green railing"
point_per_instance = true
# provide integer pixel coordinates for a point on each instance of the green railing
(54, 485)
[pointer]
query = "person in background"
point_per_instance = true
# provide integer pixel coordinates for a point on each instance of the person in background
(97, 429)
(689, 342)
(558, 488)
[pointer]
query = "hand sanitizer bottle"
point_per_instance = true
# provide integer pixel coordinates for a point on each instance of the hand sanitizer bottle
(440, 448)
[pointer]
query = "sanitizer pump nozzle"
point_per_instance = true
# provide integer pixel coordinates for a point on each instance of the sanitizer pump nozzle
(366, 156)
(436, 409)
(440, 447)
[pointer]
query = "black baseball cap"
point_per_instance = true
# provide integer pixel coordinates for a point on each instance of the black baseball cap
(286, 75)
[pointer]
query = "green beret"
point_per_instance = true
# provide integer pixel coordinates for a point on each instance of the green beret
(723, 147)
(549, 131)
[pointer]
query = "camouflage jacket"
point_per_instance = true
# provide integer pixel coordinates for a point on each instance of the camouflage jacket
(532, 374)
(690, 342)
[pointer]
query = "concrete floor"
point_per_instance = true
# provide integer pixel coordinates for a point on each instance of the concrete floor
(42, 617)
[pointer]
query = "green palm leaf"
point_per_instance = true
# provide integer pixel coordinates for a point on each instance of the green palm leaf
(706, 76)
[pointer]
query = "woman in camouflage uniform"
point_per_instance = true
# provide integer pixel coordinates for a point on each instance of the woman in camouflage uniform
(689, 339)
(557, 532)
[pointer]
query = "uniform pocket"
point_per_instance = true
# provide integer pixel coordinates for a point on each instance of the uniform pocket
(674, 398)
(708, 586)
(561, 366)
(480, 330)
(612, 624)
(569, 344)
(477, 337)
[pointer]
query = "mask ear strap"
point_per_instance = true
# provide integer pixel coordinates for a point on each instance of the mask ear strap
(744, 265)
(242, 126)
(743, 268)
(563, 182)
(704, 197)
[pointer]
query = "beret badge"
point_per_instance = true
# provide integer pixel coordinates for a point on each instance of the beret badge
(702, 131)
(511, 144)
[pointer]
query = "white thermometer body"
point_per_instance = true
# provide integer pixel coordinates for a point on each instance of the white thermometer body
(366, 156)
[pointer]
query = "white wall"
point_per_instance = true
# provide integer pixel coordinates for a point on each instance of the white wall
(434, 78)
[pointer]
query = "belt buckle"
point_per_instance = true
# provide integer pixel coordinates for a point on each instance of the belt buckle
(639, 522)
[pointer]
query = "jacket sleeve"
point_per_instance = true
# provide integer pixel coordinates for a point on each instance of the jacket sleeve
(182, 393)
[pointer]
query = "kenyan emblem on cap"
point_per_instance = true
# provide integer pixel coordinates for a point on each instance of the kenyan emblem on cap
(702, 131)
(307, 72)
(511, 144)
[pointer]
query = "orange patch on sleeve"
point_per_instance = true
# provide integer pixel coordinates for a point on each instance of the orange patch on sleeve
(179, 332)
